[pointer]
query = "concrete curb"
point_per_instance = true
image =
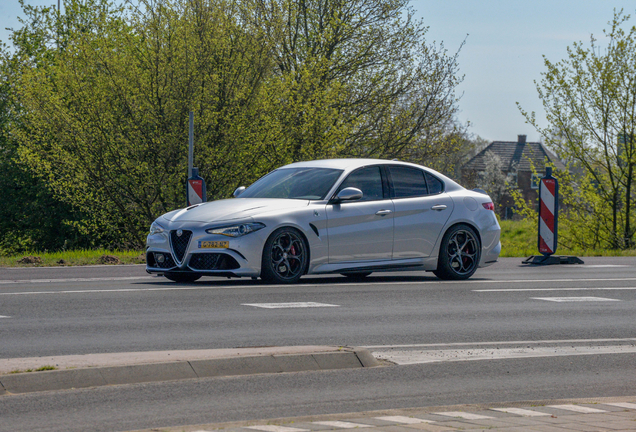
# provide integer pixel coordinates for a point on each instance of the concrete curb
(338, 358)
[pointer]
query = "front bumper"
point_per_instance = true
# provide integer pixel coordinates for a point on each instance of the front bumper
(167, 252)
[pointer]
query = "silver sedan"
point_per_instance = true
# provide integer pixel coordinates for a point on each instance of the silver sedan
(340, 216)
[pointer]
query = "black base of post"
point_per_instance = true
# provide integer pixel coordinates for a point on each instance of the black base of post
(552, 259)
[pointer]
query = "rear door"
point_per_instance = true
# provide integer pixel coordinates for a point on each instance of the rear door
(421, 211)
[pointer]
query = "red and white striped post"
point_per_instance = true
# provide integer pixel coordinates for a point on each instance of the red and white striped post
(548, 224)
(195, 189)
(548, 213)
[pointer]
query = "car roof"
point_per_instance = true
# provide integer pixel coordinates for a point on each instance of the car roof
(349, 165)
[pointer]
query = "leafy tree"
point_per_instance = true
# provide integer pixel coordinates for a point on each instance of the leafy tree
(31, 217)
(361, 79)
(494, 180)
(103, 94)
(590, 100)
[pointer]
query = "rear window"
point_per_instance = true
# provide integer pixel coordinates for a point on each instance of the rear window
(435, 185)
(407, 182)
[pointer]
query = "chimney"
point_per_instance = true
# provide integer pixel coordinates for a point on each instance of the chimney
(521, 139)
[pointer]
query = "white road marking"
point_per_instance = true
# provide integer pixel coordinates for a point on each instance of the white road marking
(575, 299)
(626, 405)
(121, 290)
(604, 265)
(535, 342)
(274, 428)
(558, 289)
(4, 316)
(404, 419)
(96, 279)
(578, 408)
(251, 286)
(409, 357)
(366, 284)
(342, 424)
(521, 412)
(464, 415)
(289, 305)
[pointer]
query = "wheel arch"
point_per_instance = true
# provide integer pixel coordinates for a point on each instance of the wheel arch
(451, 226)
(302, 234)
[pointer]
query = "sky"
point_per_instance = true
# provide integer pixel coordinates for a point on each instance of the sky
(503, 55)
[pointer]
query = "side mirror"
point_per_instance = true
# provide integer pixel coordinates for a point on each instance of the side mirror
(349, 194)
(238, 191)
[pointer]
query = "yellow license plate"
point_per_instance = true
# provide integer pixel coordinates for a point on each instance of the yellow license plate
(214, 244)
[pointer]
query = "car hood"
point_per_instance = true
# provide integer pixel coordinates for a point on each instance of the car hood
(233, 208)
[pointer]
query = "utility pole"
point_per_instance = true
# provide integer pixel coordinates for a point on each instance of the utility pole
(191, 145)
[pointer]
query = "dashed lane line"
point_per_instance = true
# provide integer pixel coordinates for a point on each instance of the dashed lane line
(289, 305)
(557, 289)
(575, 299)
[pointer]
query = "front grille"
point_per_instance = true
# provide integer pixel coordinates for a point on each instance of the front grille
(207, 261)
(212, 261)
(180, 243)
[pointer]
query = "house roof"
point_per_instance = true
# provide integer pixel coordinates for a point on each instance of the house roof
(518, 153)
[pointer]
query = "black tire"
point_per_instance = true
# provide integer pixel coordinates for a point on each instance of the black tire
(285, 256)
(360, 275)
(459, 253)
(182, 277)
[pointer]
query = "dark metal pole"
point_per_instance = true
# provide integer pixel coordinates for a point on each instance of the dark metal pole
(191, 145)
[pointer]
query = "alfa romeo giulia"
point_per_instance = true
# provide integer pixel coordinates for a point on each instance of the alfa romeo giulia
(340, 216)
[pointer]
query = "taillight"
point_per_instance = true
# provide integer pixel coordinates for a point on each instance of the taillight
(489, 206)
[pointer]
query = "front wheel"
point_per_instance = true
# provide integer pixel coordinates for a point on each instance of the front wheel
(285, 256)
(182, 277)
(459, 253)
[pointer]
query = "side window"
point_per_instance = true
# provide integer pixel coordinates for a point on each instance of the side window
(368, 180)
(407, 182)
(435, 186)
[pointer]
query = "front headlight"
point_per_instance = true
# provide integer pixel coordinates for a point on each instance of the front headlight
(236, 230)
(155, 228)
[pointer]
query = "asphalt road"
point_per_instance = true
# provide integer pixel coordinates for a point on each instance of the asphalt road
(552, 332)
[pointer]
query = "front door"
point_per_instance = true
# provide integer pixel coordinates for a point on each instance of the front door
(361, 230)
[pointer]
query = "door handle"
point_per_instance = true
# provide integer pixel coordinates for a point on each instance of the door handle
(439, 207)
(383, 212)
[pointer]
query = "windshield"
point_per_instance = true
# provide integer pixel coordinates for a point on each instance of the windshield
(294, 183)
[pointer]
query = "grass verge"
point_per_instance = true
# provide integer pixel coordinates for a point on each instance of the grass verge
(518, 239)
(73, 258)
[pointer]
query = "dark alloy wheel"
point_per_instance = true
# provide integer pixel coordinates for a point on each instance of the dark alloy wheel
(459, 253)
(182, 277)
(285, 256)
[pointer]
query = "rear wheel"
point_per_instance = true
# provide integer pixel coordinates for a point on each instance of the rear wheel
(285, 256)
(459, 253)
(182, 277)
